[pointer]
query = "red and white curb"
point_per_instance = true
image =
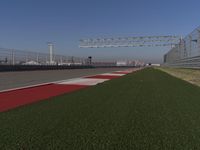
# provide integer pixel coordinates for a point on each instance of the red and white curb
(84, 81)
(13, 98)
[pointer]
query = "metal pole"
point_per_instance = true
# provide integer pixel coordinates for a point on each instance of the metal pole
(37, 58)
(46, 60)
(198, 41)
(13, 57)
(190, 50)
(61, 61)
(27, 57)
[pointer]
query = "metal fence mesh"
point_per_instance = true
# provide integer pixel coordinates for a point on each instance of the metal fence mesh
(186, 53)
(18, 57)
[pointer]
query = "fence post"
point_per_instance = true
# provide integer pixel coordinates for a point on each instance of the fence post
(198, 41)
(26, 57)
(13, 57)
(37, 58)
(61, 61)
(190, 51)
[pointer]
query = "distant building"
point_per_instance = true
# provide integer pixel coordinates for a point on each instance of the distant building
(121, 63)
(134, 63)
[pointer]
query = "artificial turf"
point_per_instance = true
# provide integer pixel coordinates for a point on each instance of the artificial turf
(145, 110)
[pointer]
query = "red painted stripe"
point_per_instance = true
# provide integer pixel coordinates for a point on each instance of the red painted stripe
(103, 77)
(13, 99)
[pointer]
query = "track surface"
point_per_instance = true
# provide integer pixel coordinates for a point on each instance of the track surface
(10, 80)
(22, 96)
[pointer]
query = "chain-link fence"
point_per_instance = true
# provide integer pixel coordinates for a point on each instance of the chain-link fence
(186, 53)
(18, 57)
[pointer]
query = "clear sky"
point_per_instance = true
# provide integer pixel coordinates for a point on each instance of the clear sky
(29, 24)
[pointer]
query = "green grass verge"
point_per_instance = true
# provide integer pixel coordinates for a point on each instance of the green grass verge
(189, 75)
(145, 110)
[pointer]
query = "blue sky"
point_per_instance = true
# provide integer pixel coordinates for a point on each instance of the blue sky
(29, 24)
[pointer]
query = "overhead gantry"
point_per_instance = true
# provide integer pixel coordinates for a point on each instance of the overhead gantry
(140, 41)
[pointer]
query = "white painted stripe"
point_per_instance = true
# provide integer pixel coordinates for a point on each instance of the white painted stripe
(84, 81)
(128, 71)
(122, 71)
(112, 74)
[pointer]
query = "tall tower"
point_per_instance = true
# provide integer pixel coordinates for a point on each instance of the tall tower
(51, 47)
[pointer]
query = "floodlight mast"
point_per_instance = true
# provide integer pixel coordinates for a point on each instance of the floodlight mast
(141, 41)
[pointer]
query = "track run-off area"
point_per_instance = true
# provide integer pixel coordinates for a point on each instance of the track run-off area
(146, 109)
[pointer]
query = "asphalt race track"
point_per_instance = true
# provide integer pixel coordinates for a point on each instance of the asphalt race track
(9, 80)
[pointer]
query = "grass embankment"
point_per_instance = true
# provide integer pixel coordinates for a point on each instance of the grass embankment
(145, 110)
(190, 75)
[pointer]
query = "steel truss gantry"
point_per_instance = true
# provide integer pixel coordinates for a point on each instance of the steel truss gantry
(140, 41)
